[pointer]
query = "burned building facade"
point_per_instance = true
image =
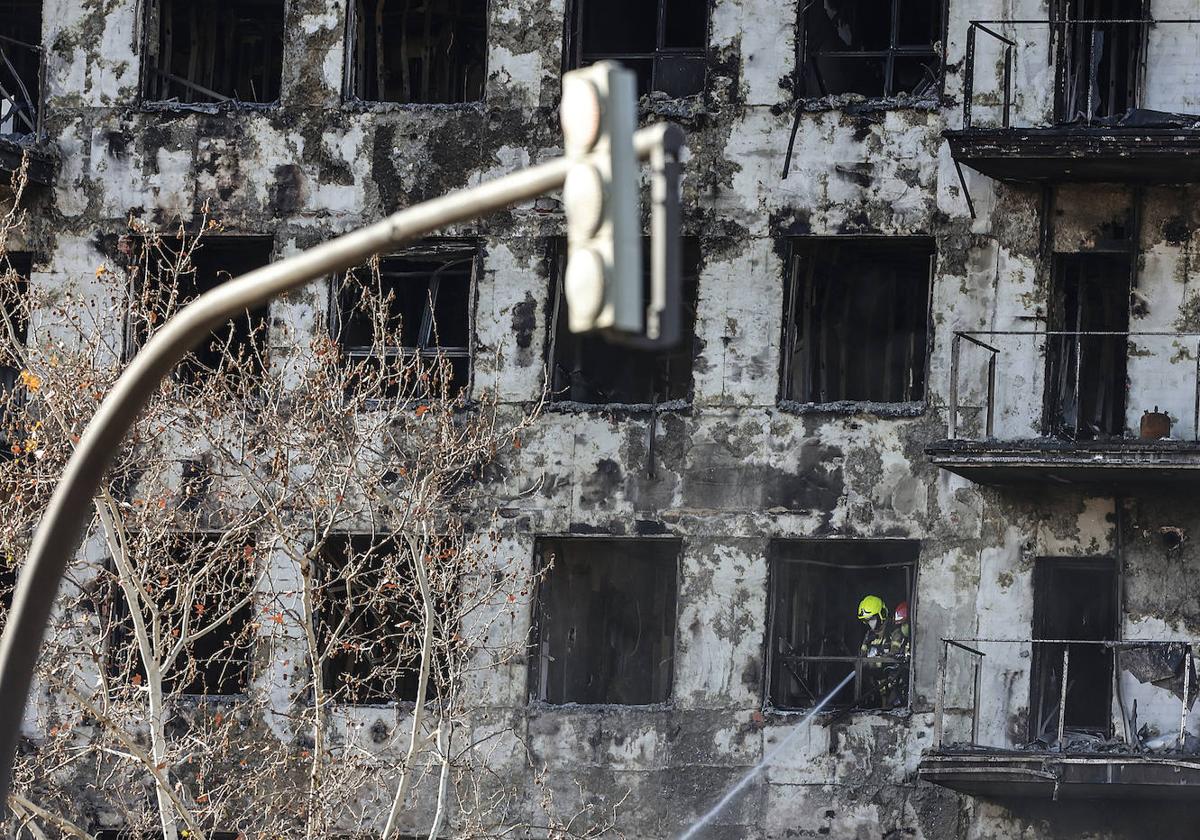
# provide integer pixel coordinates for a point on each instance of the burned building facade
(942, 346)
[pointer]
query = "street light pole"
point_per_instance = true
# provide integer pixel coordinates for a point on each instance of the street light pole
(60, 530)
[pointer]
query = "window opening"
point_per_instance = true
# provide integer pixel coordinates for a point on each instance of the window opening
(1086, 374)
(591, 370)
(369, 621)
(163, 284)
(1073, 598)
(816, 637)
(423, 52)
(205, 51)
(1099, 62)
(202, 577)
(856, 316)
(605, 623)
(20, 66)
(876, 49)
(663, 41)
(419, 305)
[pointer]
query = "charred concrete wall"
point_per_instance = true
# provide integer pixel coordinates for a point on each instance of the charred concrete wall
(732, 470)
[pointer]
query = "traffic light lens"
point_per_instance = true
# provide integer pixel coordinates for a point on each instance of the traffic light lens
(580, 114)
(583, 195)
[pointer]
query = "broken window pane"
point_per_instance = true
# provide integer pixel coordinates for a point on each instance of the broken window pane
(1086, 374)
(1099, 63)
(417, 52)
(663, 41)
(209, 51)
(816, 638)
(1073, 598)
(368, 621)
(856, 316)
(20, 60)
(417, 305)
(592, 370)
(163, 283)
(219, 571)
(605, 621)
(878, 49)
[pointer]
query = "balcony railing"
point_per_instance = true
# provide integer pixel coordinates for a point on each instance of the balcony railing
(1099, 65)
(1074, 385)
(22, 103)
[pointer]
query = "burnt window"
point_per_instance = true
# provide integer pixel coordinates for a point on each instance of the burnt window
(1099, 58)
(200, 586)
(816, 638)
(1073, 598)
(605, 623)
(590, 369)
(20, 66)
(855, 320)
(1086, 383)
(368, 621)
(416, 306)
(876, 48)
(428, 51)
(206, 51)
(165, 280)
(663, 41)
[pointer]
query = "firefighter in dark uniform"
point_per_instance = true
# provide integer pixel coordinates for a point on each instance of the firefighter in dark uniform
(884, 638)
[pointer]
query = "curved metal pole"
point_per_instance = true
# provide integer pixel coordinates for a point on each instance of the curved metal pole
(61, 527)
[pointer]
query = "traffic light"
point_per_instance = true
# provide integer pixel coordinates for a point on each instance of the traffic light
(603, 279)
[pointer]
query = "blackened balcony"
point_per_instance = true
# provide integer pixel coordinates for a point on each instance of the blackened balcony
(1109, 409)
(1099, 99)
(22, 106)
(1065, 719)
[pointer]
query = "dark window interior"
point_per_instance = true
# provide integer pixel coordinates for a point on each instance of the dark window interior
(606, 621)
(877, 48)
(422, 300)
(237, 349)
(662, 41)
(1085, 374)
(816, 586)
(369, 621)
(417, 52)
(592, 370)
(20, 38)
(212, 51)
(1099, 63)
(1073, 598)
(856, 316)
(218, 662)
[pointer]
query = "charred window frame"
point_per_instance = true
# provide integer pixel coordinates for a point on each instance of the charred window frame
(21, 100)
(429, 290)
(213, 51)
(218, 663)
(879, 50)
(665, 42)
(856, 322)
(430, 52)
(357, 595)
(604, 621)
(1099, 66)
(590, 370)
(815, 635)
(242, 341)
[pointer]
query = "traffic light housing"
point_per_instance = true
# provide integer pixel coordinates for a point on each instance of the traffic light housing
(603, 278)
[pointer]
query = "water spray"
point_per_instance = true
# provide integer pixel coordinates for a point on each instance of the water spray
(767, 759)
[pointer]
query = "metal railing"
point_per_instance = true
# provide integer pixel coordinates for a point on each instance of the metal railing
(975, 339)
(970, 647)
(870, 667)
(22, 88)
(1136, 39)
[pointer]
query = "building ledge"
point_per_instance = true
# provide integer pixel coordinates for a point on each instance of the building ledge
(1117, 464)
(1165, 155)
(1052, 775)
(42, 160)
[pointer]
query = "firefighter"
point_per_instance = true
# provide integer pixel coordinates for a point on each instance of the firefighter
(900, 621)
(883, 638)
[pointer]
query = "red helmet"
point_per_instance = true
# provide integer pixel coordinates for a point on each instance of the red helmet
(900, 616)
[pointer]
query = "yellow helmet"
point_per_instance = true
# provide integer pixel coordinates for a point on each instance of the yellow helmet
(872, 606)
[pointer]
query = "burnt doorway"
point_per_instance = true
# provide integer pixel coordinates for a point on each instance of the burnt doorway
(1073, 598)
(1099, 60)
(1086, 357)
